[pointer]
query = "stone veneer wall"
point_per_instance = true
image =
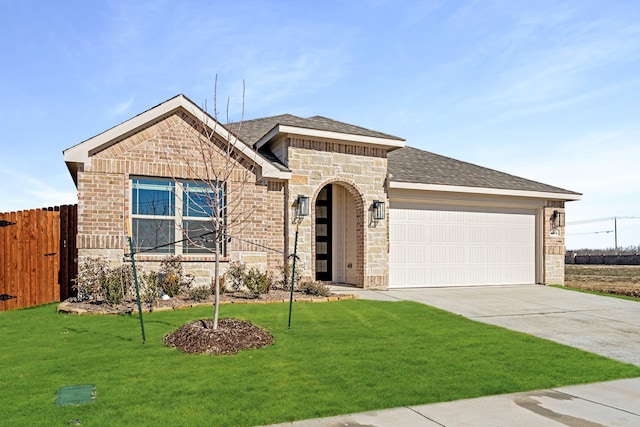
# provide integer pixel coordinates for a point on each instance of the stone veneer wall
(363, 172)
(166, 149)
(554, 246)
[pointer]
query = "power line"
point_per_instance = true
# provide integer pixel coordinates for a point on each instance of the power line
(610, 218)
(591, 232)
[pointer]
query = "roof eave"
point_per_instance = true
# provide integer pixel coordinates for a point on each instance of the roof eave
(485, 190)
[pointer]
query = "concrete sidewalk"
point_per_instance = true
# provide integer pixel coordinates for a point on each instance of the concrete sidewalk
(614, 403)
(603, 325)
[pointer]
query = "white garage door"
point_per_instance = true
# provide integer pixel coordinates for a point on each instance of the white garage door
(433, 245)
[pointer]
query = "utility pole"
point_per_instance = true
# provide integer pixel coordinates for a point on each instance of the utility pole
(615, 233)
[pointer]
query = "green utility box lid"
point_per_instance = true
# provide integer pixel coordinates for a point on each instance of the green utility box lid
(76, 394)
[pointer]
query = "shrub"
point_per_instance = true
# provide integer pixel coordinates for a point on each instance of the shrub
(313, 287)
(284, 277)
(92, 274)
(171, 283)
(112, 289)
(125, 271)
(97, 281)
(234, 275)
(257, 282)
(150, 287)
(199, 293)
(171, 276)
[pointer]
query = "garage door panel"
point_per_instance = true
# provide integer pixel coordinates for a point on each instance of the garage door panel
(433, 245)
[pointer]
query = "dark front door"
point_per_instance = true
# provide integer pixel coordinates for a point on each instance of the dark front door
(323, 234)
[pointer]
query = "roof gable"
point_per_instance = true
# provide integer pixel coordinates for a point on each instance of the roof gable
(80, 153)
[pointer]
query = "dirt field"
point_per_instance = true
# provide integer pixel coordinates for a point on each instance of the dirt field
(613, 279)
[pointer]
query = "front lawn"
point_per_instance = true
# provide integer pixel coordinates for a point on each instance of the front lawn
(339, 357)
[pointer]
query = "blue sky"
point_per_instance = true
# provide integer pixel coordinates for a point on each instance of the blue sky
(547, 90)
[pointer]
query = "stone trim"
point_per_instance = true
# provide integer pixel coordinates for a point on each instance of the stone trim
(71, 308)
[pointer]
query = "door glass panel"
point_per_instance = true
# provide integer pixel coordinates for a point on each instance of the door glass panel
(321, 230)
(321, 212)
(321, 266)
(321, 248)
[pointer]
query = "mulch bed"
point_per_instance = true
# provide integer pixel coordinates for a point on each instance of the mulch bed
(231, 336)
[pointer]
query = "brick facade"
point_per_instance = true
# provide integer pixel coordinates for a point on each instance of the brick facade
(168, 148)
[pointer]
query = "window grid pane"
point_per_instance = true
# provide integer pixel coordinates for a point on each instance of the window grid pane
(152, 197)
(151, 233)
(200, 237)
(201, 200)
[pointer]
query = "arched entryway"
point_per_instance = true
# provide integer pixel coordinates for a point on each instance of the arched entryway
(339, 234)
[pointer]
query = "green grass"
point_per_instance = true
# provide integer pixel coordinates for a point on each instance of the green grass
(341, 357)
(603, 294)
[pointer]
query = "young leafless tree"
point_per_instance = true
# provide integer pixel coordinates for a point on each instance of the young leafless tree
(216, 169)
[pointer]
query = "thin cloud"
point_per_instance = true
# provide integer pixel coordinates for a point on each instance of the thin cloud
(122, 107)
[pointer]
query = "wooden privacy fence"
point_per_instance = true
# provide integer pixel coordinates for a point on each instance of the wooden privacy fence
(38, 256)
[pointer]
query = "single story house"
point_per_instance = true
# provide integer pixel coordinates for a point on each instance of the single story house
(382, 214)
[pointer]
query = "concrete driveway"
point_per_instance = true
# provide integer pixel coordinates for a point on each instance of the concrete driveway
(603, 325)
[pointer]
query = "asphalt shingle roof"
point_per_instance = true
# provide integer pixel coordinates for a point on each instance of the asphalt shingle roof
(412, 165)
(406, 164)
(250, 131)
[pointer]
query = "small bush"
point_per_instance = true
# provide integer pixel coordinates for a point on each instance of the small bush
(113, 287)
(97, 281)
(257, 282)
(234, 275)
(199, 293)
(125, 272)
(283, 280)
(92, 274)
(149, 291)
(171, 283)
(313, 287)
(171, 276)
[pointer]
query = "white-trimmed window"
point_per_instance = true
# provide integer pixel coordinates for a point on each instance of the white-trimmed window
(174, 216)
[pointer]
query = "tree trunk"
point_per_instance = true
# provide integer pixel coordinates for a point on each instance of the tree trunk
(216, 280)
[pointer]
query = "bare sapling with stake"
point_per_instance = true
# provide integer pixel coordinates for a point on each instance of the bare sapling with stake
(215, 168)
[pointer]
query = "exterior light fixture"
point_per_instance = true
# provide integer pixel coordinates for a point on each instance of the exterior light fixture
(302, 208)
(557, 218)
(378, 210)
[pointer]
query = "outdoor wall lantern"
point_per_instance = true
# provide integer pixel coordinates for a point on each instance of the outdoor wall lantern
(557, 219)
(302, 207)
(378, 210)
